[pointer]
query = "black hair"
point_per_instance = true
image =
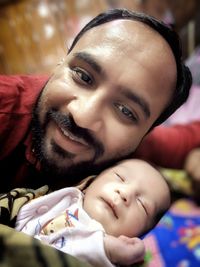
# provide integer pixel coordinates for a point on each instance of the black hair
(85, 183)
(184, 77)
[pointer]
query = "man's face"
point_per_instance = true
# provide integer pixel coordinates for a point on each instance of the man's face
(104, 97)
(122, 200)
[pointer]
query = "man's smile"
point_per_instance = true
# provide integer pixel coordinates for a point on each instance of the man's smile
(69, 142)
(72, 138)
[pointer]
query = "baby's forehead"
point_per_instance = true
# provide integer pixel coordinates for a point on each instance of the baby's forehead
(140, 169)
(134, 164)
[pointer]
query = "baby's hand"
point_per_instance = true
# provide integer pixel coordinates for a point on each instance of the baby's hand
(124, 250)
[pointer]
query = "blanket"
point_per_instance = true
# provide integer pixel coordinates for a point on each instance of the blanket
(175, 241)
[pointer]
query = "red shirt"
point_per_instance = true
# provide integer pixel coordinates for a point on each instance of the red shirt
(18, 95)
(169, 146)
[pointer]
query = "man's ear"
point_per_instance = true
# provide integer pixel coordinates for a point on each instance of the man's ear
(61, 62)
(67, 49)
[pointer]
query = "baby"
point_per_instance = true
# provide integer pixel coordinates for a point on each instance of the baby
(101, 222)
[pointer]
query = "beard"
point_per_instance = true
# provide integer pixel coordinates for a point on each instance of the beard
(55, 174)
(59, 175)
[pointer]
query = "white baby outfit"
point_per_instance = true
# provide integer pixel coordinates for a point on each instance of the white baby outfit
(59, 220)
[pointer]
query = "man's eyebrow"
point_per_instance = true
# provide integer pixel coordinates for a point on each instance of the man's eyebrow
(138, 100)
(84, 56)
(89, 59)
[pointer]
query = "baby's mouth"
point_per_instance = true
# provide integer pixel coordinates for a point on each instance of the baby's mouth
(112, 207)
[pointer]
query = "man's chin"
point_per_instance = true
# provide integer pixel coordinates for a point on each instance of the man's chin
(61, 154)
(60, 175)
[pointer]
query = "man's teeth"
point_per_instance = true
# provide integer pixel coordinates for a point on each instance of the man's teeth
(73, 138)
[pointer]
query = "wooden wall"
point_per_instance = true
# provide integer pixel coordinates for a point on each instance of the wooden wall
(35, 34)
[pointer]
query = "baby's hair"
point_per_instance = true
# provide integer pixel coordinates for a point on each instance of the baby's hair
(85, 182)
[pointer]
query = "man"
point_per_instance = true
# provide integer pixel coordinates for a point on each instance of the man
(122, 76)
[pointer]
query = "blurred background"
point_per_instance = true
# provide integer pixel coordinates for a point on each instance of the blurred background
(35, 34)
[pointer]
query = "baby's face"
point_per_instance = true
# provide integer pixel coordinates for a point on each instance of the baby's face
(126, 198)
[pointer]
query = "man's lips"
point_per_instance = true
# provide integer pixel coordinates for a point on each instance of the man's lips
(69, 142)
(111, 206)
(73, 137)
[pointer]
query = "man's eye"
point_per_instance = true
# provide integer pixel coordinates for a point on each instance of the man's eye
(81, 76)
(126, 112)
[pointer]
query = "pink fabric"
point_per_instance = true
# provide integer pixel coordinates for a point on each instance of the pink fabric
(153, 253)
(190, 111)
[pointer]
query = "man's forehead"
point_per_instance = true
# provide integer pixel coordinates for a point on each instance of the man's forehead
(123, 32)
(122, 26)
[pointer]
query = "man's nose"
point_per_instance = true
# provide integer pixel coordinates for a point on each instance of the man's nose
(86, 112)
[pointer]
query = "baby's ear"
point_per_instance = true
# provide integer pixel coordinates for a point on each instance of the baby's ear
(85, 183)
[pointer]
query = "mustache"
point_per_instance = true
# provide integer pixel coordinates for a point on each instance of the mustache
(67, 122)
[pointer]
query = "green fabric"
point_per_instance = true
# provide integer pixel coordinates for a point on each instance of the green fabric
(11, 202)
(20, 250)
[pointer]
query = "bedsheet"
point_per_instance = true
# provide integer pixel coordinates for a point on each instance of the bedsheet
(175, 241)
